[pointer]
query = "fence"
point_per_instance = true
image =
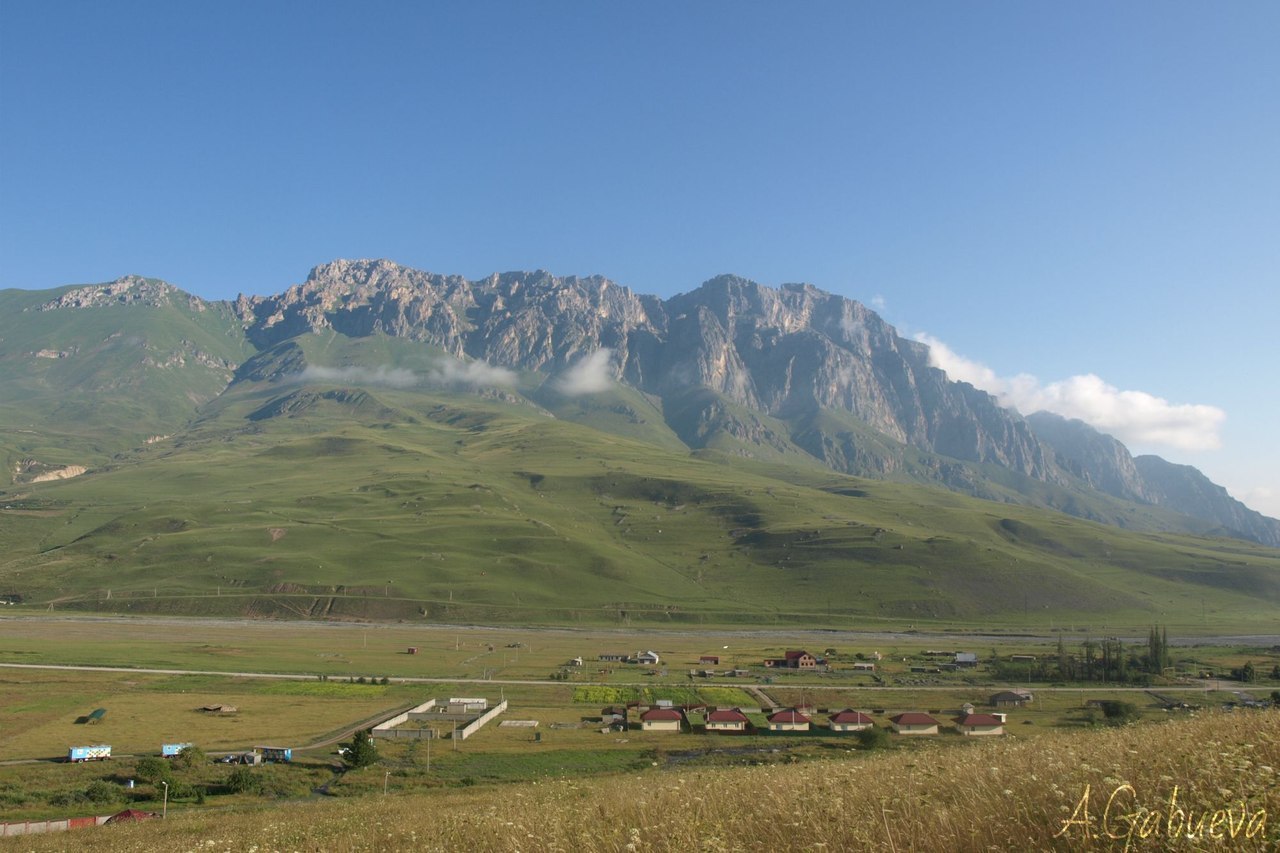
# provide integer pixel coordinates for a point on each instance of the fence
(39, 827)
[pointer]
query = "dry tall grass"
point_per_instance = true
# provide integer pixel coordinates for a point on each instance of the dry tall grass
(1011, 794)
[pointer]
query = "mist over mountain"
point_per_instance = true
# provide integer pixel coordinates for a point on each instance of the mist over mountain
(788, 374)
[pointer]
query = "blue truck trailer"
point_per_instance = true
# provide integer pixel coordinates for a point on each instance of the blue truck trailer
(171, 750)
(99, 752)
(282, 754)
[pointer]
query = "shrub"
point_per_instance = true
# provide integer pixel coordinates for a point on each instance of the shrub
(873, 738)
(1118, 713)
(153, 769)
(99, 791)
(63, 799)
(242, 780)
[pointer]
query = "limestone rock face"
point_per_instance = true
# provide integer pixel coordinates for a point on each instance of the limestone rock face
(782, 351)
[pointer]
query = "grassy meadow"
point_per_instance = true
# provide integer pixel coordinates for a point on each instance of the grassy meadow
(430, 507)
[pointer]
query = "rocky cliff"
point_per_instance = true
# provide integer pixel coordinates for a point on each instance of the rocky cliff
(785, 351)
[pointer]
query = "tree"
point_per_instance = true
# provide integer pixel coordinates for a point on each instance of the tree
(153, 769)
(189, 757)
(361, 752)
(1248, 672)
(1118, 713)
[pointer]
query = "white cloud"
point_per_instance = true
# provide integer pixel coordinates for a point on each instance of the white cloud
(394, 377)
(450, 371)
(879, 303)
(589, 375)
(1134, 417)
(1264, 499)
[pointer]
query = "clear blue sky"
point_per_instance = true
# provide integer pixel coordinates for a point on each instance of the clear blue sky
(1056, 189)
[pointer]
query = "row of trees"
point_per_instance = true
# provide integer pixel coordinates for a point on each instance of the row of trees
(1106, 660)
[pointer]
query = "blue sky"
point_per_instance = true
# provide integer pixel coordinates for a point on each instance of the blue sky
(1048, 191)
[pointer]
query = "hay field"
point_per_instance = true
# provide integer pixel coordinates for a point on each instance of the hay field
(1208, 782)
(39, 711)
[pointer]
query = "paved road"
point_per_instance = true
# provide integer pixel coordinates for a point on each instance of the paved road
(1198, 687)
(828, 635)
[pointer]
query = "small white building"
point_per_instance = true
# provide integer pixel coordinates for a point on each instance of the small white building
(727, 720)
(914, 723)
(789, 720)
(849, 720)
(648, 657)
(979, 725)
(661, 720)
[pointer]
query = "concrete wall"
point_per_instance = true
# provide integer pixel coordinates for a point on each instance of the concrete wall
(469, 730)
(383, 729)
(39, 827)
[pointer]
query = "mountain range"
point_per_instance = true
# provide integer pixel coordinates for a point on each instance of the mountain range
(97, 378)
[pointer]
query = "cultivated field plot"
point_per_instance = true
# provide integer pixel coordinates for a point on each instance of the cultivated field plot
(40, 710)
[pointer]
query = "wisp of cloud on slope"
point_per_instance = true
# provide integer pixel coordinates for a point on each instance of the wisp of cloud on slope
(450, 371)
(1134, 417)
(589, 375)
(394, 377)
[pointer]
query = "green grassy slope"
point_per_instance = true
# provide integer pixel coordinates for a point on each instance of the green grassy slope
(397, 502)
(78, 385)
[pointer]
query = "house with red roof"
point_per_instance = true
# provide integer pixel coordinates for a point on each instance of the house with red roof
(849, 720)
(979, 725)
(661, 720)
(914, 723)
(727, 720)
(788, 720)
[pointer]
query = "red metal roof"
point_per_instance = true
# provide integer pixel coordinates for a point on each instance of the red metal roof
(790, 715)
(850, 717)
(727, 715)
(914, 718)
(660, 714)
(978, 720)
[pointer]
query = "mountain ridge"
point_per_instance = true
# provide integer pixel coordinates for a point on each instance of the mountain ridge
(789, 353)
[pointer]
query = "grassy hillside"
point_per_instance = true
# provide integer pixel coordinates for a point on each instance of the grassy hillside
(389, 502)
(78, 385)
(1199, 783)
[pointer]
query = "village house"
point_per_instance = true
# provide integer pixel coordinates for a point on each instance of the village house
(613, 657)
(864, 667)
(709, 660)
(661, 720)
(789, 720)
(1007, 699)
(798, 659)
(914, 723)
(647, 657)
(727, 720)
(966, 659)
(979, 724)
(849, 720)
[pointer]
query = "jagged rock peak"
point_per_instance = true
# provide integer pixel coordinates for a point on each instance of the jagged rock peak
(126, 290)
